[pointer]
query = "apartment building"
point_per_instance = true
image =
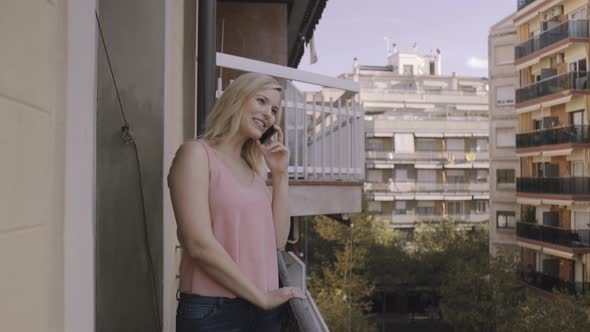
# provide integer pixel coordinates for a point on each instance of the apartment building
(553, 143)
(504, 165)
(87, 231)
(427, 155)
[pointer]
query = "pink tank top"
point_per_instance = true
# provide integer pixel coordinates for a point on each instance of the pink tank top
(242, 221)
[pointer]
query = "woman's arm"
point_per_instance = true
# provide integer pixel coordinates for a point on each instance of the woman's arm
(276, 156)
(280, 208)
(188, 181)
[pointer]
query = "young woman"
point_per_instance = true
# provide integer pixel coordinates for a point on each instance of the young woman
(227, 222)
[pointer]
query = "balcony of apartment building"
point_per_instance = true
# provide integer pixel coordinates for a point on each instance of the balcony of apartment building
(557, 36)
(568, 136)
(570, 188)
(326, 166)
(553, 86)
(548, 272)
(406, 214)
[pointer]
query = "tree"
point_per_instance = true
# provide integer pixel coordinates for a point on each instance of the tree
(343, 278)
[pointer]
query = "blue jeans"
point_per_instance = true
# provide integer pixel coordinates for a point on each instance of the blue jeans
(197, 313)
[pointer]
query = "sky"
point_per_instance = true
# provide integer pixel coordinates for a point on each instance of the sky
(357, 28)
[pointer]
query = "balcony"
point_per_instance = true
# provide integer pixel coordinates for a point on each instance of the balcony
(409, 219)
(571, 134)
(520, 4)
(573, 239)
(568, 29)
(571, 186)
(324, 135)
(416, 186)
(552, 85)
(549, 283)
(455, 156)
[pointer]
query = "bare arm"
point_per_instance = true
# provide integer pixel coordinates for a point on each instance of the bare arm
(277, 159)
(188, 181)
(280, 211)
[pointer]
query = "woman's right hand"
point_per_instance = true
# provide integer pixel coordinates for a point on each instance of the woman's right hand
(279, 296)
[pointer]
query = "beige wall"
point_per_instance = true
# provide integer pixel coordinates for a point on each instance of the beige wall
(32, 142)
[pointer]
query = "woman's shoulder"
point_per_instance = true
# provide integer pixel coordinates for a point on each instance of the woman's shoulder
(190, 156)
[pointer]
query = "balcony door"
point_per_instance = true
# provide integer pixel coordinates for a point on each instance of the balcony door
(551, 267)
(551, 218)
(579, 69)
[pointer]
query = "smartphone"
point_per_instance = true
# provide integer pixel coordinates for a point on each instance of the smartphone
(267, 134)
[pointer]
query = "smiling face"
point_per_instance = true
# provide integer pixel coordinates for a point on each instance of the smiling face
(259, 113)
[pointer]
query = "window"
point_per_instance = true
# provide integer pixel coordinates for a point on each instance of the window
(505, 176)
(505, 137)
(404, 143)
(426, 144)
(505, 95)
(432, 68)
(481, 206)
(454, 208)
(374, 206)
(408, 70)
(577, 167)
(400, 207)
(577, 118)
(426, 176)
(504, 54)
(375, 144)
(482, 175)
(505, 219)
(455, 144)
(479, 144)
(374, 175)
(425, 208)
(401, 174)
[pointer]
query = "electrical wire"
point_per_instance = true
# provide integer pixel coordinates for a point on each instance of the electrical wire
(129, 138)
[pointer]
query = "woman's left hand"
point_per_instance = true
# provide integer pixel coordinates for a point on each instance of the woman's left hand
(275, 154)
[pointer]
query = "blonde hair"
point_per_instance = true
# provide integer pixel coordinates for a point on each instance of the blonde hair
(224, 119)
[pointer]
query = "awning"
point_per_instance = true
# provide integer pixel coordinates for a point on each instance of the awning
(481, 165)
(528, 201)
(528, 154)
(561, 202)
(557, 101)
(558, 253)
(458, 197)
(428, 166)
(384, 166)
(428, 135)
(471, 107)
(526, 109)
(420, 105)
(529, 246)
(458, 134)
(457, 165)
(436, 197)
(481, 134)
(407, 197)
(481, 196)
(383, 198)
(560, 152)
(383, 135)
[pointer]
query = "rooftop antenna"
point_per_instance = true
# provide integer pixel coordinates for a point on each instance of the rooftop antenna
(388, 45)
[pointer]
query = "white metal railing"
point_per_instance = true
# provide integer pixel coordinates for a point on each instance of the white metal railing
(412, 218)
(325, 135)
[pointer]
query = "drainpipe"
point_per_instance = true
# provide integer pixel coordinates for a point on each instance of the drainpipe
(206, 64)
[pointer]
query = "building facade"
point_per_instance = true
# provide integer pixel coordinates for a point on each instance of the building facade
(553, 143)
(504, 165)
(426, 141)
